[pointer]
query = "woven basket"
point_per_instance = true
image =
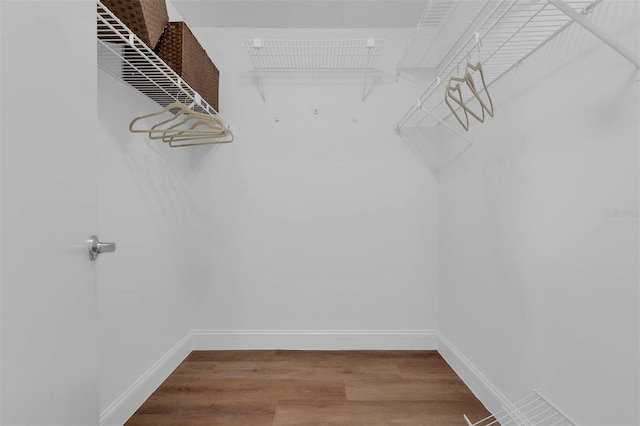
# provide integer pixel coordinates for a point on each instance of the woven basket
(183, 53)
(146, 18)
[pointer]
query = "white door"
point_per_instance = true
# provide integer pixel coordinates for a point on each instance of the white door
(49, 360)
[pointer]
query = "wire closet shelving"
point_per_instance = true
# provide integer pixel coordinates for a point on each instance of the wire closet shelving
(532, 410)
(498, 33)
(122, 54)
(314, 56)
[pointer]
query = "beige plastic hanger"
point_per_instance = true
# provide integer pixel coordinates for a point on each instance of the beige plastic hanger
(468, 81)
(191, 137)
(215, 129)
(200, 128)
(182, 108)
(186, 115)
(188, 135)
(448, 90)
(183, 111)
(478, 67)
(213, 125)
(202, 140)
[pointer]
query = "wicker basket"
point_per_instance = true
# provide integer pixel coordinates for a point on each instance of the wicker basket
(183, 53)
(146, 18)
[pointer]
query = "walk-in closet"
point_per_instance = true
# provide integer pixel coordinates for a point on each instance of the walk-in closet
(305, 212)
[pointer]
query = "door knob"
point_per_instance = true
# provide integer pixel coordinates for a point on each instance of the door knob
(96, 247)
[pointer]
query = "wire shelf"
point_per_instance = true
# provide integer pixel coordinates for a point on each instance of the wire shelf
(442, 23)
(532, 410)
(314, 55)
(503, 34)
(127, 58)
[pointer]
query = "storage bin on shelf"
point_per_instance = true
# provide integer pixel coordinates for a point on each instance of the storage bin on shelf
(183, 53)
(146, 18)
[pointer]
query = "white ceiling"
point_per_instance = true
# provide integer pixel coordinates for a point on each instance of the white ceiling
(301, 13)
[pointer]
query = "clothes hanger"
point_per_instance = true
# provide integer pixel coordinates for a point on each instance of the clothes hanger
(175, 105)
(213, 124)
(211, 142)
(176, 133)
(478, 67)
(187, 115)
(213, 129)
(191, 133)
(186, 136)
(172, 141)
(471, 82)
(459, 100)
(447, 95)
(468, 81)
(183, 111)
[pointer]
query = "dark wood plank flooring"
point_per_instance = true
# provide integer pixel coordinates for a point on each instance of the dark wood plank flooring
(310, 388)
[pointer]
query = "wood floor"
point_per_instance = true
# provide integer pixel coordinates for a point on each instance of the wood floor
(310, 388)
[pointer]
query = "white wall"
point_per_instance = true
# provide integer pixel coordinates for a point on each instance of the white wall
(315, 222)
(145, 206)
(1, 214)
(538, 282)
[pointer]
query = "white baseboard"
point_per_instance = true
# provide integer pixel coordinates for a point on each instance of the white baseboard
(315, 339)
(124, 407)
(481, 387)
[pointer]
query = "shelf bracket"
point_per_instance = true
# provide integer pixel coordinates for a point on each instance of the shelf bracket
(596, 31)
(257, 44)
(371, 43)
(448, 126)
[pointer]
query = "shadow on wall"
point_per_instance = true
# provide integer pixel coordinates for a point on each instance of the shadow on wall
(201, 155)
(420, 76)
(160, 175)
(435, 146)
